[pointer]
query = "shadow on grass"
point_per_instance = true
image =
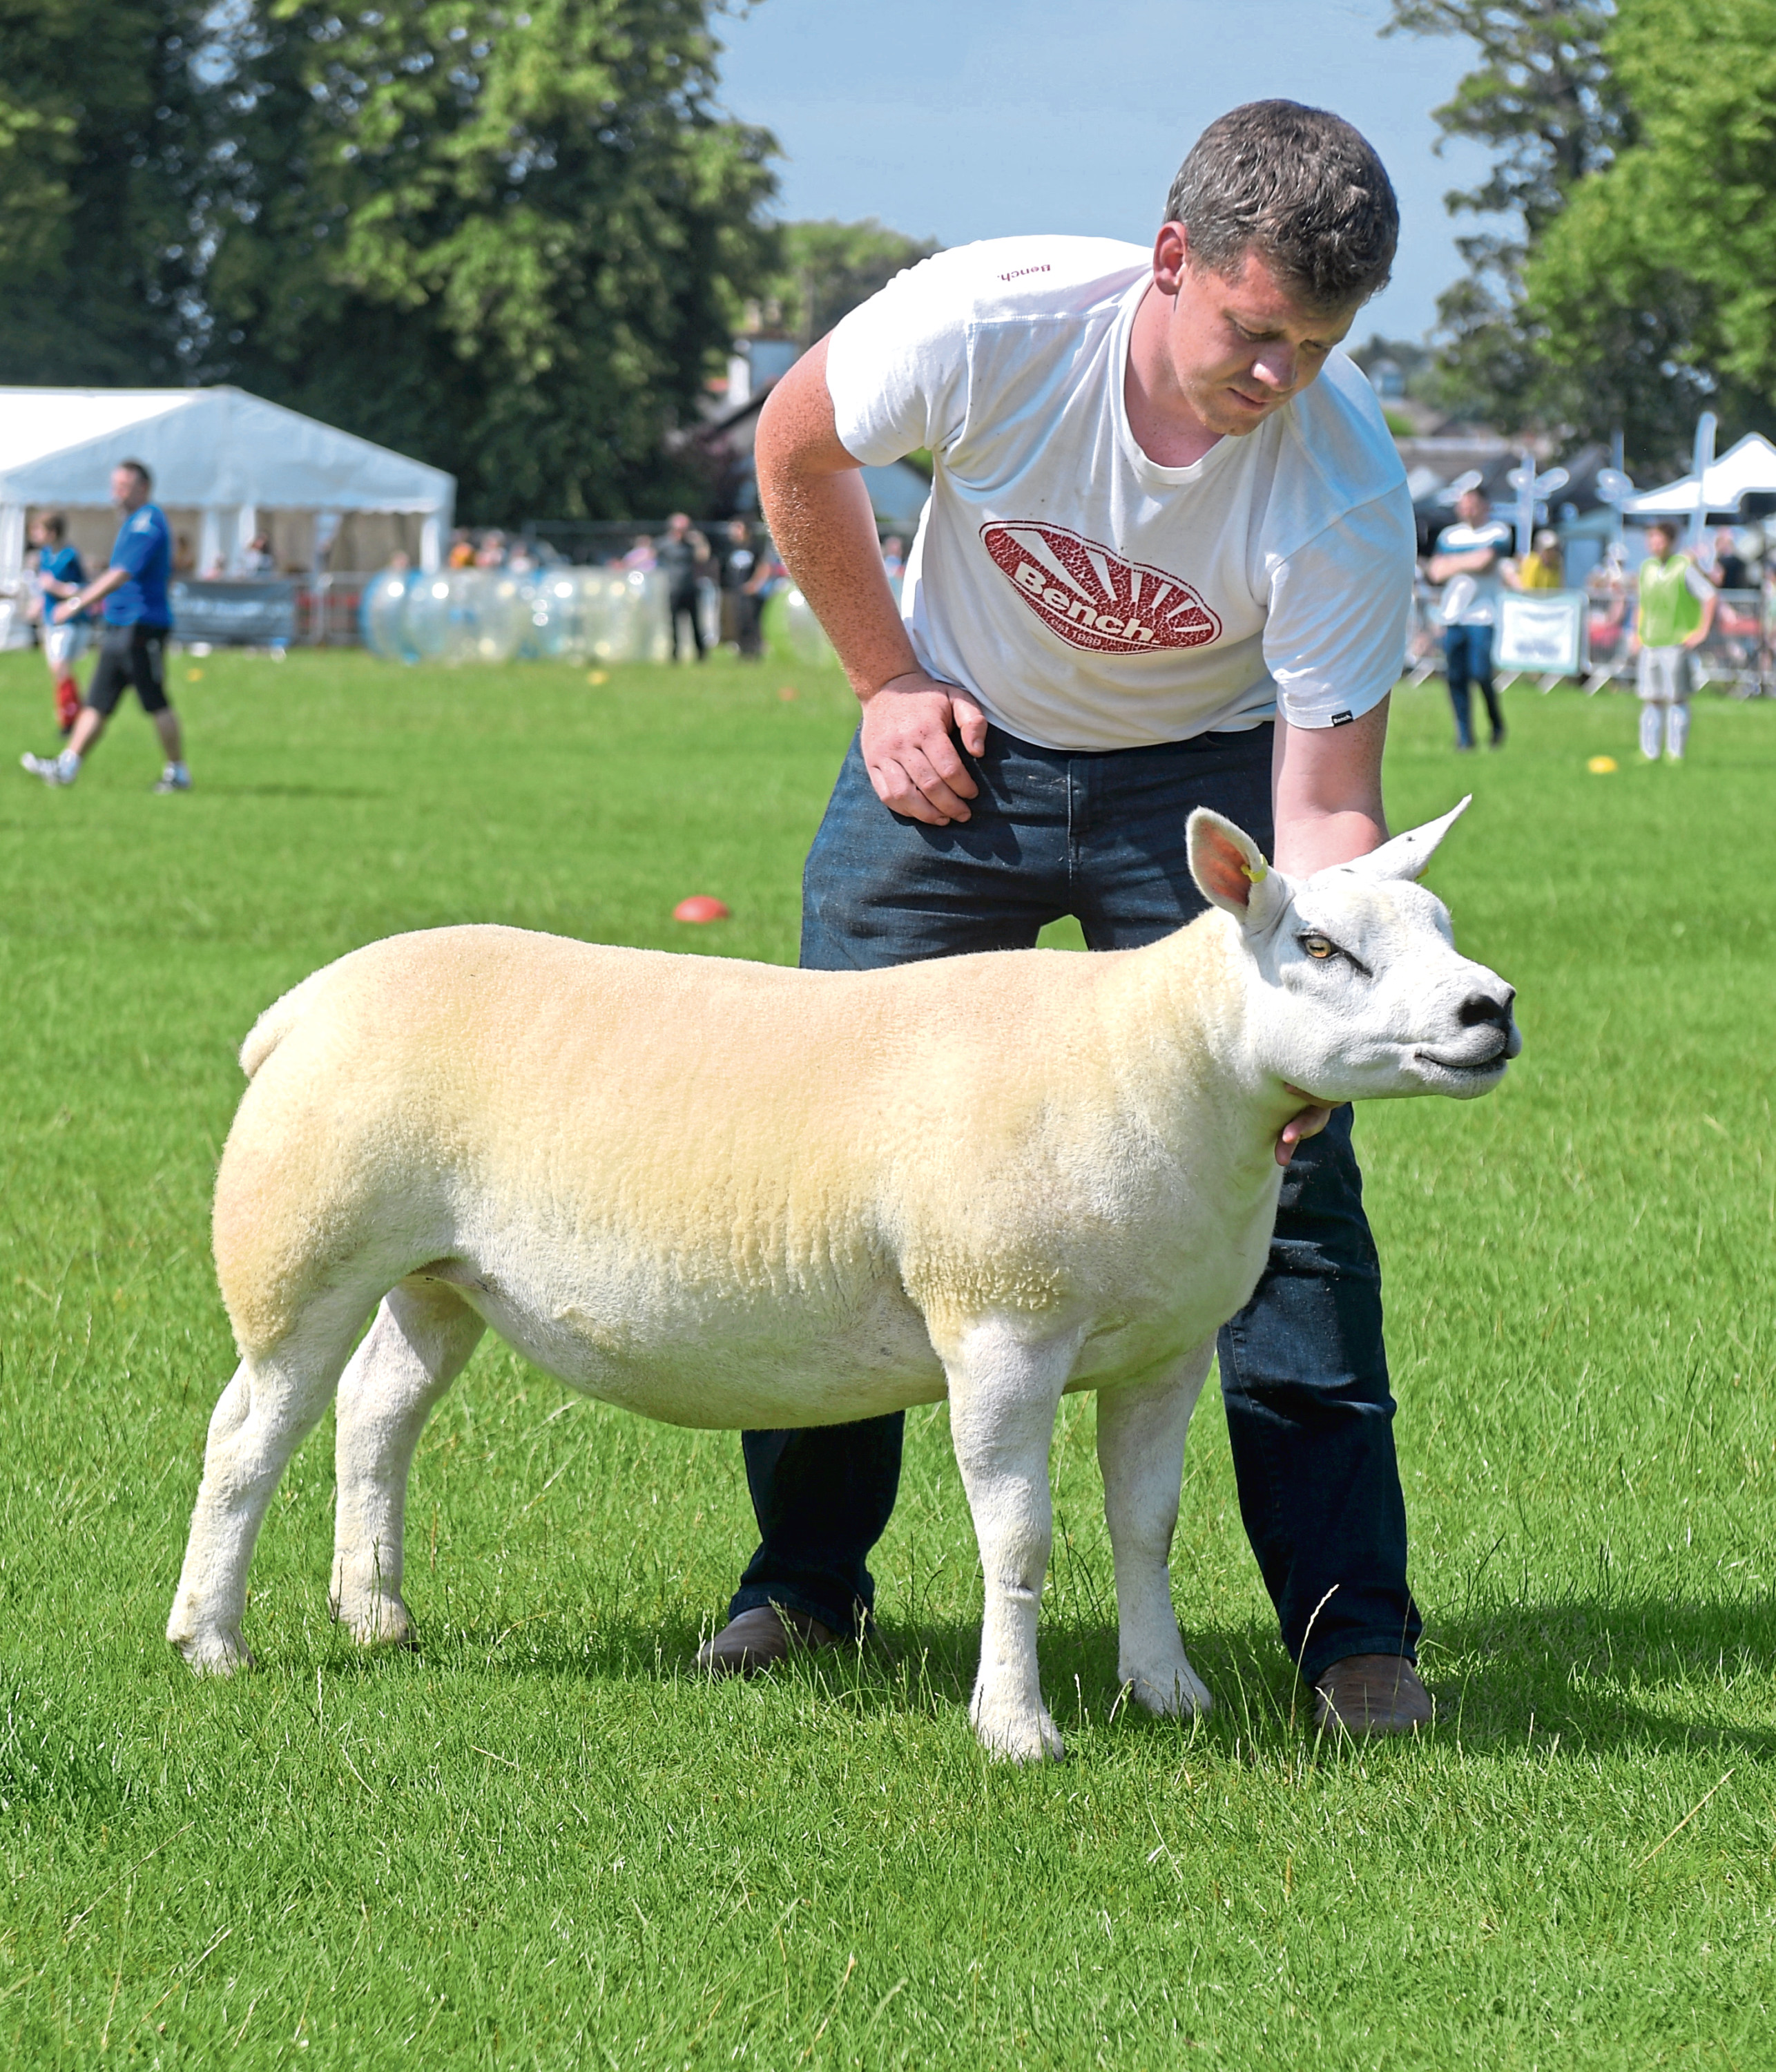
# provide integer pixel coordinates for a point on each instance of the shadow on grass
(1602, 1674)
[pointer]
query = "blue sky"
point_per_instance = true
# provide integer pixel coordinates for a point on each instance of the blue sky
(960, 119)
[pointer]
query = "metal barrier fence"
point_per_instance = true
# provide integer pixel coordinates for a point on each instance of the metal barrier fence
(1738, 659)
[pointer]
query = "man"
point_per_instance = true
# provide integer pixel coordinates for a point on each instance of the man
(134, 649)
(683, 556)
(1731, 571)
(59, 574)
(1677, 608)
(1467, 560)
(1167, 562)
(742, 577)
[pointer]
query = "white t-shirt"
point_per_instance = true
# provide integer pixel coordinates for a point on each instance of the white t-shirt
(1472, 600)
(1088, 596)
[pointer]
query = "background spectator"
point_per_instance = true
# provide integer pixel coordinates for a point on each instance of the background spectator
(1677, 605)
(1730, 571)
(59, 574)
(742, 579)
(683, 553)
(1466, 561)
(1542, 568)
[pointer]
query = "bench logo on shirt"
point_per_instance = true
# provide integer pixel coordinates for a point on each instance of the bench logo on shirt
(1093, 598)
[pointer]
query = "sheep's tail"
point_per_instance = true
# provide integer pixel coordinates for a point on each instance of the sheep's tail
(275, 1024)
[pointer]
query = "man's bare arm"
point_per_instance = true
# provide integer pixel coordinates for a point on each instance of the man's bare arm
(1326, 784)
(1471, 561)
(819, 513)
(100, 587)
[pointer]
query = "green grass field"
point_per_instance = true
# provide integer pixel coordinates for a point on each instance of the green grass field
(540, 1840)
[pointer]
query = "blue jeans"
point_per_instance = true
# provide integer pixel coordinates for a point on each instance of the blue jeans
(1304, 1374)
(1467, 658)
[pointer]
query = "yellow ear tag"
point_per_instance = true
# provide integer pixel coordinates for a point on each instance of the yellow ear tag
(1255, 873)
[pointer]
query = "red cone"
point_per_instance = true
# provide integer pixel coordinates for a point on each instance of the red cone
(700, 906)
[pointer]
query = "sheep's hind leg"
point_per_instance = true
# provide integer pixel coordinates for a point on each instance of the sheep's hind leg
(1003, 1392)
(1141, 1429)
(419, 1343)
(275, 1400)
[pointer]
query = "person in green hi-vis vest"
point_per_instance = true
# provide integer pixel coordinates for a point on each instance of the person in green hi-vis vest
(1677, 604)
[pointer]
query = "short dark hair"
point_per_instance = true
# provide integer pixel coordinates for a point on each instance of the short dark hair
(139, 469)
(53, 522)
(1301, 187)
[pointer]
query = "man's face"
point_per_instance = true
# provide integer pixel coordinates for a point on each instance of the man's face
(678, 525)
(126, 488)
(1239, 345)
(1472, 508)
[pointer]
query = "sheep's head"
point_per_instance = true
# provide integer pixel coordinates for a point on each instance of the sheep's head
(1358, 991)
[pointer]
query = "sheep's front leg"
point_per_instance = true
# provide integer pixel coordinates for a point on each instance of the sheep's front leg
(1003, 1392)
(419, 1343)
(1141, 1429)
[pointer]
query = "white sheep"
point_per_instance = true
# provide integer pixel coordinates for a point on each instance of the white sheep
(729, 1194)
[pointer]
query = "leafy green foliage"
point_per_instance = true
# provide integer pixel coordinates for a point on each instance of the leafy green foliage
(510, 242)
(1665, 262)
(1632, 288)
(825, 270)
(1543, 98)
(104, 145)
(539, 1839)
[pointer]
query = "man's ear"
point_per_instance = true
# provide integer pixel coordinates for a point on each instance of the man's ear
(1230, 871)
(1408, 855)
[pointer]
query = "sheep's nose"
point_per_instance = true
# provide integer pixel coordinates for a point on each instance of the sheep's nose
(1479, 1007)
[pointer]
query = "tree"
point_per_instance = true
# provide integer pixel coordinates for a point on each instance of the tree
(1680, 223)
(104, 150)
(1545, 98)
(825, 270)
(510, 240)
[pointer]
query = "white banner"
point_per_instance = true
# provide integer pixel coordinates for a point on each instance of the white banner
(1544, 632)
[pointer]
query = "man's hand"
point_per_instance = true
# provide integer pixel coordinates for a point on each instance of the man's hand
(1311, 1120)
(909, 750)
(70, 608)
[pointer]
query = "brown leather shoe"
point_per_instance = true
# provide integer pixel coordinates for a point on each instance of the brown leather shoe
(758, 1640)
(1368, 1695)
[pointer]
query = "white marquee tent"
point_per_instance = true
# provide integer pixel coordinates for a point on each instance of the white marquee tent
(1745, 470)
(220, 452)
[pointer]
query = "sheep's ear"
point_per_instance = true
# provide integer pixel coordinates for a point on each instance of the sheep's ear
(1230, 868)
(1408, 855)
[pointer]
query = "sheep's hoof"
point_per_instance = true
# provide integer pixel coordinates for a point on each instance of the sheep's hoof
(376, 1622)
(1018, 1734)
(1170, 1694)
(214, 1654)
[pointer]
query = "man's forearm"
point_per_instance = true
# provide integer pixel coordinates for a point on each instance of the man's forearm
(1326, 791)
(821, 519)
(101, 587)
(1474, 562)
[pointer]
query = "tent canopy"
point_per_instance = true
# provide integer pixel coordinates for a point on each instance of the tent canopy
(210, 449)
(1747, 469)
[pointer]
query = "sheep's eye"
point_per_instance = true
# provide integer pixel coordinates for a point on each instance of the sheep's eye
(1318, 947)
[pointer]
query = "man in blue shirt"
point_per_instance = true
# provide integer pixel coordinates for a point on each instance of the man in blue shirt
(134, 649)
